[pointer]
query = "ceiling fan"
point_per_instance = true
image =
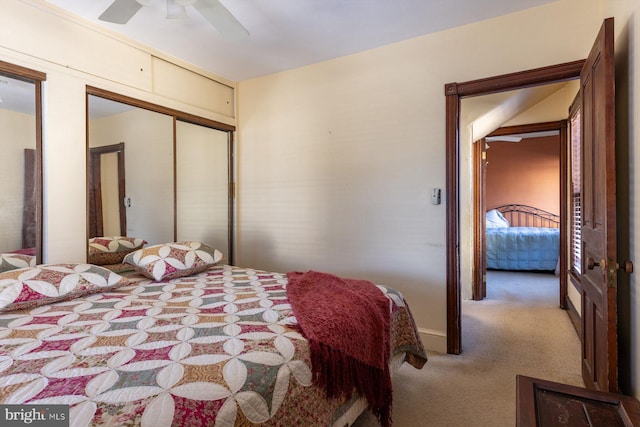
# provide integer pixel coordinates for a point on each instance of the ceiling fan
(504, 138)
(121, 11)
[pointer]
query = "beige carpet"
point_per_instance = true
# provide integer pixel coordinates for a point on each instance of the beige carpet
(517, 329)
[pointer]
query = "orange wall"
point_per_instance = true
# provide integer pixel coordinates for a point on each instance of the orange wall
(526, 173)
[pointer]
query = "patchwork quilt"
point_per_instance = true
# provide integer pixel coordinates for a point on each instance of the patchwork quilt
(219, 348)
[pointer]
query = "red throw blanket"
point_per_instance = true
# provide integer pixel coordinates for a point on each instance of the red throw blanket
(347, 324)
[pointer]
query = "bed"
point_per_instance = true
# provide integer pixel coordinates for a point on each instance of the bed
(219, 347)
(17, 259)
(520, 237)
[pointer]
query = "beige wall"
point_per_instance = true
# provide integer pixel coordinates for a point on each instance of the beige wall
(74, 54)
(338, 159)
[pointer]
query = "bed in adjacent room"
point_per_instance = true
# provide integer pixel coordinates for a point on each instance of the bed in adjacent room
(174, 345)
(520, 237)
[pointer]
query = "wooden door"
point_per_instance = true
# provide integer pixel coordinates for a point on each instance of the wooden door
(599, 261)
(30, 200)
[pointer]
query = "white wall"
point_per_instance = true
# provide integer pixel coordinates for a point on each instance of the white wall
(338, 159)
(74, 54)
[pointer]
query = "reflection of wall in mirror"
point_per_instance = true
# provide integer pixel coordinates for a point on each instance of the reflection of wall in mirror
(202, 185)
(148, 138)
(17, 132)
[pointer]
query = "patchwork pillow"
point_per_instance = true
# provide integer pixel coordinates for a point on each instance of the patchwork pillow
(111, 250)
(171, 260)
(12, 261)
(47, 283)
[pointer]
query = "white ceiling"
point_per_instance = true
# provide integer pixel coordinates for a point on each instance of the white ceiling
(286, 34)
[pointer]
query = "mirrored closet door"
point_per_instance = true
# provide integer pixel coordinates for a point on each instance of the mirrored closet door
(158, 174)
(202, 185)
(21, 171)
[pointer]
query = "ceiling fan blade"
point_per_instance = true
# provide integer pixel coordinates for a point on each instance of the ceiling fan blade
(221, 19)
(120, 11)
(505, 138)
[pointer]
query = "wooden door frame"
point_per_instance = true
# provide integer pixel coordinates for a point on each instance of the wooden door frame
(479, 244)
(479, 275)
(37, 78)
(454, 92)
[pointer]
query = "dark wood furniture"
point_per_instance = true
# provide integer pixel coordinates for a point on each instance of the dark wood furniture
(544, 403)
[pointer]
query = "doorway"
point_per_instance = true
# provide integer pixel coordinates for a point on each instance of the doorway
(107, 185)
(454, 93)
(523, 179)
(599, 277)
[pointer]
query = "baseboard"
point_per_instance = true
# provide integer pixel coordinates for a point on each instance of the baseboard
(572, 312)
(433, 340)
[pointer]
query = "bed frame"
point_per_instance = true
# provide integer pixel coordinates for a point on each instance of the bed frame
(528, 216)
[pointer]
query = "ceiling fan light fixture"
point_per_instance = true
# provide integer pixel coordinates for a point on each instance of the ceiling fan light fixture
(121, 11)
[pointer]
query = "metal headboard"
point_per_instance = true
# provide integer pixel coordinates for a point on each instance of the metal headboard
(528, 216)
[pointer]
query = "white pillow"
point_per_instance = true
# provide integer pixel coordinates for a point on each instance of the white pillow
(496, 220)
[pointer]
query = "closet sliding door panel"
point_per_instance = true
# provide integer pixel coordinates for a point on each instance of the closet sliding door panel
(202, 185)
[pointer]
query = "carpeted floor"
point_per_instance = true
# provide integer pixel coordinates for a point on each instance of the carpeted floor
(517, 329)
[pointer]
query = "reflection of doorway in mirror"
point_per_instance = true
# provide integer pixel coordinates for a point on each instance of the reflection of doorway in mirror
(107, 184)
